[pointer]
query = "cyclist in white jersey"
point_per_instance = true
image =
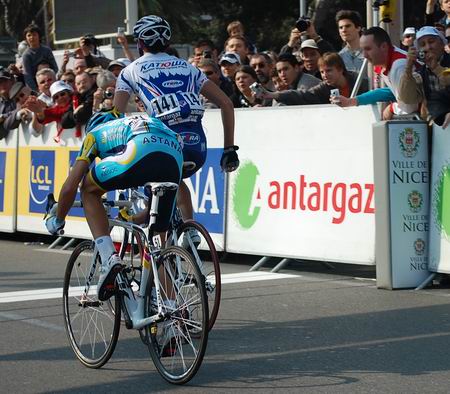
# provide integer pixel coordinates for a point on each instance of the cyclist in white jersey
(169, 88)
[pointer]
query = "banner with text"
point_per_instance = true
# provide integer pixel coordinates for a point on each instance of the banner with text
(305, 185)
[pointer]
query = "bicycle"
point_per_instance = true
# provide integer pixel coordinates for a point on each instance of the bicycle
(164, 298)
(204, 252)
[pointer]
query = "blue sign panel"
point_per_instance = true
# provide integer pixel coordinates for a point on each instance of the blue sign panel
(208, 186)
(2, 180)
(42, 179)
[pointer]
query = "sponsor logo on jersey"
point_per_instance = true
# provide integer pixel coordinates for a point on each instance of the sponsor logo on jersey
(172, 84)
(42, 176)
(190, 138)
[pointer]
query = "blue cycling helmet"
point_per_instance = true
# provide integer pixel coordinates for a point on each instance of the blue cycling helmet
(151, 29)
(102, 117)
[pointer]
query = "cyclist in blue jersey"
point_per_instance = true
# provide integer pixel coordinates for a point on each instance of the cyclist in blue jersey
(133, 151)
(170, 89)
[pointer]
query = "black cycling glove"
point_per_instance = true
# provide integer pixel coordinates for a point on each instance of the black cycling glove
(229, 161)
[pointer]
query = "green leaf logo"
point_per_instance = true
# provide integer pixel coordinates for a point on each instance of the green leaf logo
(245, 210)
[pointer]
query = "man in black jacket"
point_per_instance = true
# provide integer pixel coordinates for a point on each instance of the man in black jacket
(7, 106)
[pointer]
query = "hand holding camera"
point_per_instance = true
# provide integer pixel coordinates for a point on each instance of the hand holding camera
(260, 92)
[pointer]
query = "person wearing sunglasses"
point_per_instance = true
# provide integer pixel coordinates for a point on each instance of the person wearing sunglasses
(19, 94)
(409, 35)
(61, 94)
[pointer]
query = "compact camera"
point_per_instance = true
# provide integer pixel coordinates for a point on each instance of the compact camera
(256, 88)
(421, 55)
(108, 95)
(334, 92)
(72, 54)
(207, 54)
(121, 31)
(303, 23)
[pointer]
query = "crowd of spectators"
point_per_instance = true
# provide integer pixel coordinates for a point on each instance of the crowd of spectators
(414, 71)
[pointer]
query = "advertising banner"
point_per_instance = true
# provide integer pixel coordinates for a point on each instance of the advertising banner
(439, 254)
(8, 182)
(305, 185)
(409, 202)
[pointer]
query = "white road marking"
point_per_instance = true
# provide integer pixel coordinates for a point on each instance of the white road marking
(47, 294)
(8, 316)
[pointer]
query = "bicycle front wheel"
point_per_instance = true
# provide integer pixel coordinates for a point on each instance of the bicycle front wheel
(92, 328)
(206, 257)
(178, 342)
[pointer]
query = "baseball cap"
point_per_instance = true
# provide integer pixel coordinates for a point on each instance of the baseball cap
(16, 88)
(409, 31)
(5, 74)
(429, 31)
(310, 43)
(59, 86)
(230, 57)
(122, 62)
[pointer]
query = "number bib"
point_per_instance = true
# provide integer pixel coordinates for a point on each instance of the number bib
(174, 108)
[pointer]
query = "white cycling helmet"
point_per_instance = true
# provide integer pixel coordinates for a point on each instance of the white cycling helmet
(151, 29)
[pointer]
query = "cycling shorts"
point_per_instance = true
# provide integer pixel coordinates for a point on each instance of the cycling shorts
(194, 146)
(146, 158)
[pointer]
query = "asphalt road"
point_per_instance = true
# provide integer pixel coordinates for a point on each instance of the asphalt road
(310, 330)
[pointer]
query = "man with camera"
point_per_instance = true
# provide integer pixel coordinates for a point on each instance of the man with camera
(304, 29)
(432, 82)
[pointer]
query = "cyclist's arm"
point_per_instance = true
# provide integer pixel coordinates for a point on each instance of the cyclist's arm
(69, 189)
(121, 100)
(213, 93)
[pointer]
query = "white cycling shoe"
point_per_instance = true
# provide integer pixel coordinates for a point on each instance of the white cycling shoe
(106, 281)
(193, 234)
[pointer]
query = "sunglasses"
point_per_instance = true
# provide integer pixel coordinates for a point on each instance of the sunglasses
(208, 73)
(69, 80)
(409, 36)
(58, 95)
(45, 81)
(260, 65)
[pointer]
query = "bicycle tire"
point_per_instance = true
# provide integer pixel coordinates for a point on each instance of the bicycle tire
(85, 317)
(177, 344)
(208, 261)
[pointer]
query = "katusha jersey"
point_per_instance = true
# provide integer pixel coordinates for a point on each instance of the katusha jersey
(169, 88)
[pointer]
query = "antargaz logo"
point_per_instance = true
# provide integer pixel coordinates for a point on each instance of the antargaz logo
(245, 211)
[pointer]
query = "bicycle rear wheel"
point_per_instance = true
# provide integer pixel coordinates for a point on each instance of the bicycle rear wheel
(178, 343)
(91, 326)
(206, 257)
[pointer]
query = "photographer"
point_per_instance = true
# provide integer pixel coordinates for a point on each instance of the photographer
(243, 97)
(19, 94)
(304, 29)
(205, 49)
(104, 95)
(431, 82)
(88, 51)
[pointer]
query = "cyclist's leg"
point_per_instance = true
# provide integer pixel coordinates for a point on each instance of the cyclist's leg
(184, 201)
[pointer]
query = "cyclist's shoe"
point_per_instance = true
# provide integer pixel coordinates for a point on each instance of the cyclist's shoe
(193, 234)
(170, 348)
(107, 279)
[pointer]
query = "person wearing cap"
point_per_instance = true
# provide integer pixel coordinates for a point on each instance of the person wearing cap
(430, 82)
(34, 55)
(19, 93)
(408, 37)
(229, 63)
(212, 70)
(7, 106)
(116, 66)
(61, 94)
(310, 54)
